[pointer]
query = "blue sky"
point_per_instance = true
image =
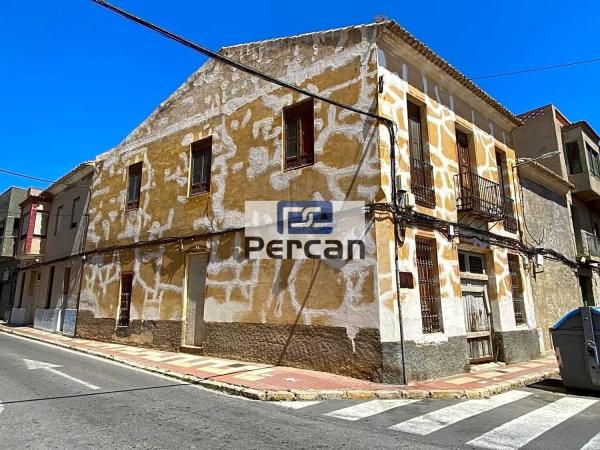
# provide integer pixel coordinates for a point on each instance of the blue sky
(75, 79)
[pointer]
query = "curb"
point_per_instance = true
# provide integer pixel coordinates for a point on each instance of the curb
(309, 395)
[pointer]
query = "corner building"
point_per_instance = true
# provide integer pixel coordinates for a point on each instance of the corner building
(166, 232)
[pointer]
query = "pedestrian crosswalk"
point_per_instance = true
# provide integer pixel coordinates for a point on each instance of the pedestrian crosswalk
(512, 419)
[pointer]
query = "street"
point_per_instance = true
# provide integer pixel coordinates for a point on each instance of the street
(56, 398)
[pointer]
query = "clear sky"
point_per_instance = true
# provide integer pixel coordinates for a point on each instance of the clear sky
(75, 79)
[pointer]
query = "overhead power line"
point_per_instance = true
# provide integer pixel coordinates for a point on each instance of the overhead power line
(29, 177)
(537, 69)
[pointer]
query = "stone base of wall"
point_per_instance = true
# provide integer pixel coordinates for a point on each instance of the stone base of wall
(517, 345)
(19, 316)
(163, 334)
(328, 349)
(46, 319)
(425, 361)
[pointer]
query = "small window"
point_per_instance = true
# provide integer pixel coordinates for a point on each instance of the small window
(573, 158)
(15, 228)
(593, 161)
(41, 223)
(134, 186)
(58, 221)
(299, 135)
(25, 225)
(75, 212)
(471, 263)
(200, 166)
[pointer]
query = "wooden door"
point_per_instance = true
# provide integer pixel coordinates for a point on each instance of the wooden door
(478, 325)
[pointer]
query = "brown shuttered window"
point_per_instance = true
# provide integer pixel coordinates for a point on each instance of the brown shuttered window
(299, 135)
(134, 186)
(200, 166)
(429, 289)
(421, 171)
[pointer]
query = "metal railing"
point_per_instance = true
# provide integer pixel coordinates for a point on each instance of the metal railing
(509, 218)
(590, 245)
(422, 183)
(478, 196)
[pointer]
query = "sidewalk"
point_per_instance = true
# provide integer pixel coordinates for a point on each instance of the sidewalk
(267, 382)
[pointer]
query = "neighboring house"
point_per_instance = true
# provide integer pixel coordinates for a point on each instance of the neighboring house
(545, 130)
(9, 228)
(548, 226)
(166, 266)
(54, 226)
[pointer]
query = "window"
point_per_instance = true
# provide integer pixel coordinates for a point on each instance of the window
(41, 223)
(299, 135)
(464, 153)
(428, 286)
(573, 158)
(125, 305)
(50, 286)
(471, 262)
(516, 287)
(15, 228)
(58, 221)
(421, 172)
(25, 225)
(76, 212)
(134, 186)
(593, 161)
(200, 166)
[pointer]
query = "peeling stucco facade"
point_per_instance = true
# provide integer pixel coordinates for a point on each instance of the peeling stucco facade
(341, 317)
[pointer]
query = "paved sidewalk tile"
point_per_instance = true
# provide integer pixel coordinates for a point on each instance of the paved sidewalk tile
(269, 378)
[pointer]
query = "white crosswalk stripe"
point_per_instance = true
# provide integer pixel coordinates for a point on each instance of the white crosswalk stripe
(436, 420)
(297, 404)
(593, 444)
(518, 432)
(368, 409)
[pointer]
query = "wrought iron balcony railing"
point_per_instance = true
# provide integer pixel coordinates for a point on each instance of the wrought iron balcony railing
(422, 183)
(478, 196)
(509, 218)
(590, 245)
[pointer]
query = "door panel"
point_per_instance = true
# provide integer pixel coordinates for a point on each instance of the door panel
(477, 324)
(195, 286)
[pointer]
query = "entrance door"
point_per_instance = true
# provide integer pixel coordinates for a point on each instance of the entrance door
(64, 297)
(477, 323)
(195, 330)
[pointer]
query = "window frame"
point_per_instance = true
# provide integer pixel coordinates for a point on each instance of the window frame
(570, 162)
(76, 201)
(517, 285)
(58, 220)
(428, 299)
(197, 148)
(131, 170)
(23, 233)
(303, 113)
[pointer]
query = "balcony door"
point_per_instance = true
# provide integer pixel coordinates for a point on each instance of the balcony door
(465, 181)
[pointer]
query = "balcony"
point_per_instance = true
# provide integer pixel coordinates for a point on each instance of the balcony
(422, 183)
(478, 196)
(509, 218)
(589, 246)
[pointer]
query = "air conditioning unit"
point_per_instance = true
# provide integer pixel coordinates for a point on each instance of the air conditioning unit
(409, 200)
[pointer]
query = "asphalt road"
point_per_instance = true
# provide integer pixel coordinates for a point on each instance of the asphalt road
(55, 398)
